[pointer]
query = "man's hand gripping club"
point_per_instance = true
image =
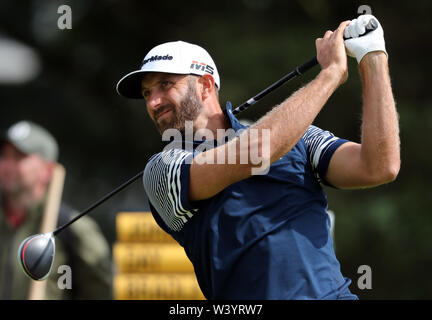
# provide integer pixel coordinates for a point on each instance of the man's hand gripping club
(331, 54)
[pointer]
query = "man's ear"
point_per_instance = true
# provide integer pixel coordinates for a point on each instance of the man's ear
(208, 85)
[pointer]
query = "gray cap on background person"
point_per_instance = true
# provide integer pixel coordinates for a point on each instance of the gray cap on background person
(28, 137)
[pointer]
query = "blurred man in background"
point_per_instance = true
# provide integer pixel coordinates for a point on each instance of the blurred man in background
(28, 154)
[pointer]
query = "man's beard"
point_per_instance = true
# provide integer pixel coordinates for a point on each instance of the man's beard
(190, 108)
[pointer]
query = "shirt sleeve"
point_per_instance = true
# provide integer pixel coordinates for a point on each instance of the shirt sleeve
(321, 145)
(166, 182)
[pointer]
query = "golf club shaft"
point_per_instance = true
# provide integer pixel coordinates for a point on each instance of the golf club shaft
(372, 25)
(105, 198)
(296, 72)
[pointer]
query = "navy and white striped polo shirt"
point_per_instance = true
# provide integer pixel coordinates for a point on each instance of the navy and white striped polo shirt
(265, 237)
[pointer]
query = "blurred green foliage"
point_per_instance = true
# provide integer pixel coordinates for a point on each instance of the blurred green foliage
(105, 139)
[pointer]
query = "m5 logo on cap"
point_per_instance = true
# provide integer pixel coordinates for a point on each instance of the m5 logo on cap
(202, 67)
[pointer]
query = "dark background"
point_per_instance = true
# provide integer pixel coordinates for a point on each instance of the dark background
(105, 139)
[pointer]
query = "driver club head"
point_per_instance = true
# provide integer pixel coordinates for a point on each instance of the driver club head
(36, 255)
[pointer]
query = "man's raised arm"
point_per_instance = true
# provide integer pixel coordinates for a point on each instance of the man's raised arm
(286, 123)
(376, 160)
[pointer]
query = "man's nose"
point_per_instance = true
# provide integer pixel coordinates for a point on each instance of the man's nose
(154, 100)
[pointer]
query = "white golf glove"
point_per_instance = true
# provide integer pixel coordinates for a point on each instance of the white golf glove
(358, 46)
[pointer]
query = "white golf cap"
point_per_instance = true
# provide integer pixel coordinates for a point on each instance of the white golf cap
(177, 57)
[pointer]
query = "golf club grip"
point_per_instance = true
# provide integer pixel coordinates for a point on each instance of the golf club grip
(105, 198)
(307, 65)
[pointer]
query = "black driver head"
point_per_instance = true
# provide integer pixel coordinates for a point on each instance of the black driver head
(36, 255)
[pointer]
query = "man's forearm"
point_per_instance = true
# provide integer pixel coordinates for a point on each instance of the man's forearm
(285, 124)
(288, 121)
(277, 132)
(380, 129)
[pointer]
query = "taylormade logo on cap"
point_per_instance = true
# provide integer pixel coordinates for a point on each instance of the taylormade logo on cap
(177, 57)
(154, 58)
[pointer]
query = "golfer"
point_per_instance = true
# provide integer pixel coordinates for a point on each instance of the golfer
(263, 235)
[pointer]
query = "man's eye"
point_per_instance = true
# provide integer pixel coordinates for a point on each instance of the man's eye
(145, 94)
(166, 83)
